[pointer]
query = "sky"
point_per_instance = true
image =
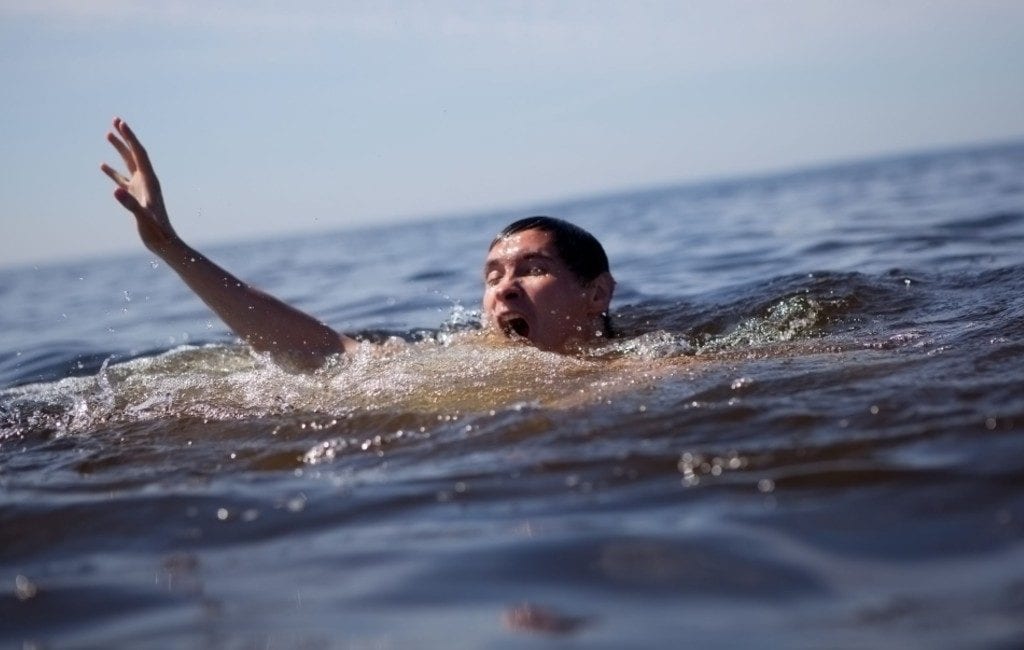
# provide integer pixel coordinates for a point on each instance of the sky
(267, 118)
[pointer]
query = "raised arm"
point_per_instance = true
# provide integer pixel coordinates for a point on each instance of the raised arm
(264, 322)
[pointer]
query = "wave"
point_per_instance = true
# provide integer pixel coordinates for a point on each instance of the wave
(458, 369)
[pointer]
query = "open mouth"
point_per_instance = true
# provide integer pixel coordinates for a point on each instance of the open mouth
(515, 326)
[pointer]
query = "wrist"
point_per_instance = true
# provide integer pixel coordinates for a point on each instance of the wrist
(170, 249)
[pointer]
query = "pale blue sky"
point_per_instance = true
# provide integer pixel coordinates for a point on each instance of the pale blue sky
(269, 117)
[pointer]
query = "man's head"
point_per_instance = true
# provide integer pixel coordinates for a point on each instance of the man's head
(548, 281)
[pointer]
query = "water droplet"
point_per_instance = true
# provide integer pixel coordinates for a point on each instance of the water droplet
(24, 588)
(741, 382)
(766, 485)
(223, 514)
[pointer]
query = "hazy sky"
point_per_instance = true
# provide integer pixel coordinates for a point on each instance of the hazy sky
(269, 117)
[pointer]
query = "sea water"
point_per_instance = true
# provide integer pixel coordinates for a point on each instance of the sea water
(807, 433)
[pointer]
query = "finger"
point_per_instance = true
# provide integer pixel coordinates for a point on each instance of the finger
(141, 157)
(122, 149)
(114, 175)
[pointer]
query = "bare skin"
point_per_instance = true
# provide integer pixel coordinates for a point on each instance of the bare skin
(292, 337)
(530, 293)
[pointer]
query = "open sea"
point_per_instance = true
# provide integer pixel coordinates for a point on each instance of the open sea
(808, 434)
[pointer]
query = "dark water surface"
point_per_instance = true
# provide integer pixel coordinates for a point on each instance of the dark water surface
(808, 435)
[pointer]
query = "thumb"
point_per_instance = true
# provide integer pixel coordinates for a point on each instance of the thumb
(125, 198)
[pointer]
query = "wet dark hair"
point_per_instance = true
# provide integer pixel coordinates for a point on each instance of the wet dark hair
(580, 250)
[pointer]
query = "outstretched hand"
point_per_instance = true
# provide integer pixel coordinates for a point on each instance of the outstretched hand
(139, 192)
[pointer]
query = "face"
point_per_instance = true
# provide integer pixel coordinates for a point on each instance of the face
(530, 293)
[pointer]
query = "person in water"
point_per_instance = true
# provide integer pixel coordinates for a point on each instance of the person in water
(546, 281)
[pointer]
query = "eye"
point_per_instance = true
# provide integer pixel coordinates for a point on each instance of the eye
(536, 269)
(492, 278)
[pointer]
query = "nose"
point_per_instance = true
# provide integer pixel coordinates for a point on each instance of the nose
(508, 288)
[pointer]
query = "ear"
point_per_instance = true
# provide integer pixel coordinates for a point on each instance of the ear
(601, 289)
